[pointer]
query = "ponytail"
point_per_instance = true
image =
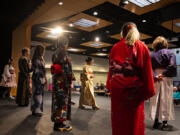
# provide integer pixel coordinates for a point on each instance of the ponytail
(132, 36)
(130, 33)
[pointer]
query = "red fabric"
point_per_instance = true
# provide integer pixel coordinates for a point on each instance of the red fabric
(56, 69)
(128, 93)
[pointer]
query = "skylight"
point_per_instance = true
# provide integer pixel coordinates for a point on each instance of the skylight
(96, 44)
(178, 25)
(85, 23)
(143, 3)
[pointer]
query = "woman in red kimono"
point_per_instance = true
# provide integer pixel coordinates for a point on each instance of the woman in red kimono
(130, 81)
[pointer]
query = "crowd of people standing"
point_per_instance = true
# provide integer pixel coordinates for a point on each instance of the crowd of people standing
(134, 76)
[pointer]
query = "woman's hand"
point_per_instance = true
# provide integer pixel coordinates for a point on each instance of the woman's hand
(92, 76)
(69, 59)
(159, 77)
(30, 65)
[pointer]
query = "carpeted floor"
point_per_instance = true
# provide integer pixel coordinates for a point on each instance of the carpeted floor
(16, 120)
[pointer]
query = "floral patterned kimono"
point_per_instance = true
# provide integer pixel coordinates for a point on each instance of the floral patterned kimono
(62, 80)
(38, 83)
(87, 87)
(22, 98)
(130, 81)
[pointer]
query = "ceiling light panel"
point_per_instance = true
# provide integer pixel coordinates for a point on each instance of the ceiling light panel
(73, 50)
(96, 44)
(178, 25)
(85, 23)
(143, 3)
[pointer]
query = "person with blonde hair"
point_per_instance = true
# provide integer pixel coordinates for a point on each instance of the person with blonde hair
(164, 67)
(130, 82)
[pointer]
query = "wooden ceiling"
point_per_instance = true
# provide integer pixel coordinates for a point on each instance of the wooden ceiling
(71, 7)
(174, 27)
(99, 44)
(100, 22)
(142, 36)
(110, 18)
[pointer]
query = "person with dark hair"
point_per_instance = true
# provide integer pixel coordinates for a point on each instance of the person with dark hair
(22, 96)
(164, 67)
(176, 95)
(8, 79)
(87, 90)
(62, 86)
(130, 82)
(38, 81)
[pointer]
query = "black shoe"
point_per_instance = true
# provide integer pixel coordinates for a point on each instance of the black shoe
(37, 114)
(25, 105)
(166, 127)
(157, 125)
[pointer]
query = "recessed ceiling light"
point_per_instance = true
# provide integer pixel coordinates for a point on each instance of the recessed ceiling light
(123, 3)
(60, 3)
(57, 30)
(97, 39)
(85, 23)
(107, 31)
(95, 13)
(71, 25)
(104, 50)
(144, 21)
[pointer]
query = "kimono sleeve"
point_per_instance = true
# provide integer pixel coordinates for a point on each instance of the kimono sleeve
(171, 70)
(6, 71)
(147, 73)
(87, 76)
(6, 74)
(108, 85)
(25, 66)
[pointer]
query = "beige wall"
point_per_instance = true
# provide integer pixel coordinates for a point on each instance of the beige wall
(100, 67)
(21, 37)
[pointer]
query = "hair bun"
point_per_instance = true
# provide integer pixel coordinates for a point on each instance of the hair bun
(130, 26)
(89, 59)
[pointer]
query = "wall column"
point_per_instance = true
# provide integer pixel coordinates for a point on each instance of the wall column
(21, 37)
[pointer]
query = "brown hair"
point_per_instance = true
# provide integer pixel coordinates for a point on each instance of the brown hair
(160, 43)
(38, 52)
(10, 60)
(24, 50)
(88, 59)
